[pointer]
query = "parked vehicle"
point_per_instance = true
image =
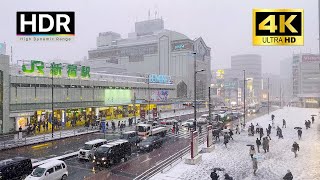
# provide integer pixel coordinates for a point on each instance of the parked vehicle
(15, 168)
(145, 130)
(131, 136)
(150, 143)
(52, 170)
(87, 151)
(112, 153)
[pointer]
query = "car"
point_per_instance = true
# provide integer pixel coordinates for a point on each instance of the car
(150, 143)
(203, 119)
(52, 170)
(188, 123)
(112, 153)
(89, 147)
(15, 168)
(131, 136)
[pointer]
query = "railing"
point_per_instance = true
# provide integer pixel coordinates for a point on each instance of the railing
(17, 142)
(162, 165)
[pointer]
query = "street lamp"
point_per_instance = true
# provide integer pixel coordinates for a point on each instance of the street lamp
(195, 93)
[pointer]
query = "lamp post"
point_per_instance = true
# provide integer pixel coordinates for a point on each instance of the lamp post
(244, 97)
(195, 92)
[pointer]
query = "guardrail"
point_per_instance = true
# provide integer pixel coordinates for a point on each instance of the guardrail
(43, 138)
(167, 162)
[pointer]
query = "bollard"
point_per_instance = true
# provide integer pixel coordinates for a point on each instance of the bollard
(44, 137)
(74, 132)
(25, 140)
(60, 134)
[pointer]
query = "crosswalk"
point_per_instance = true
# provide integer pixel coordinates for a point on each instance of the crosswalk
(183, 134)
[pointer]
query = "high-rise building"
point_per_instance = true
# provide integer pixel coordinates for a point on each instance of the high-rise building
(151, 49)
(306, 79)
(286, 80)
(251, 63)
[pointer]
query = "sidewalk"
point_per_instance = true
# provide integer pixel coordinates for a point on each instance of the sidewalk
(8, 144)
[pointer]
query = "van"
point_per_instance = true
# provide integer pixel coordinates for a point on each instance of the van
(112, 153)
(131, 136)
(15, 168)
(203, 119)
(52, 170)
(87, 151)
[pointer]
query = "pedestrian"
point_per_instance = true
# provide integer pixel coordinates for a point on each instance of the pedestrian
(268, 133)
(255, 165)
(252, 129)
(227, 177)
(216, 134)
(188, 127)
(47, 125)
(312, 119)
(269, 128)
(284, 123)
(295, 148)
(237, 130)
(306, 124)
(277, 131)
(261, 133)
(107, 125)
(252, 151)
(288, 176)
(173, 129)
(20, 129)
(118, 124)
(230, 134)
(200, 129)
(299, 133)
(214, 175)
(272, 117)
(177, 129)
(280, 133)
(225, 139)
(265, 144)
(257, 129)
(258, 142)
(309, 123)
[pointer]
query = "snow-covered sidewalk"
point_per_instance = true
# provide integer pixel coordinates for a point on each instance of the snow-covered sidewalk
(272, 165)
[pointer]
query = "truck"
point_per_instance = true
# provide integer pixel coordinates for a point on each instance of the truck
(145, 130)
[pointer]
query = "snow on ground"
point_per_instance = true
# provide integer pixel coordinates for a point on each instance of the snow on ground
(272, 165)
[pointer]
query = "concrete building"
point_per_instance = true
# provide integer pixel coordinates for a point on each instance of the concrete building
(251, 63)
(152, 49)
(306, 79)
(4, 94)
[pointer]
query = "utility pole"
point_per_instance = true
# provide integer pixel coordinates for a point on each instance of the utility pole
(280, 96)
(134, 108)
(148, 99)
(244, 97)
(52, 117)
(209, 105)
(195, 93)
(268, 97)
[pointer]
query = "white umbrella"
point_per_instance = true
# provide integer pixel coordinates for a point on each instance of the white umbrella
(226, 130)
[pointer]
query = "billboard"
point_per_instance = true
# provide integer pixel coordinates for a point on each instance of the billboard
(310, 58)
(159, 95)
(117, 96)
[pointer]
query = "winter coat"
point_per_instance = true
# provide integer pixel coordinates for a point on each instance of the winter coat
(296, 147)
(252, 151)
(258, 142)
(288, 176)
(265, 143)
(214, 176)
(231, 133)
(227, 177)
(255, 164)
(299, 132)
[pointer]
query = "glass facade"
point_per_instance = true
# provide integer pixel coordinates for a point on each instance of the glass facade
(1, 101)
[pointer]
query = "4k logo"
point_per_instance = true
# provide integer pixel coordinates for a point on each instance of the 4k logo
(277, 27)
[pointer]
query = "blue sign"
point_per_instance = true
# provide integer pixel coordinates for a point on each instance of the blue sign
(179, 46)
(161, 79)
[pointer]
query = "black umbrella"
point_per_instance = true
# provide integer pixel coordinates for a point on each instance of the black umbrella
(298, 128)
(313, 115)
(218, 169)
(250, 145)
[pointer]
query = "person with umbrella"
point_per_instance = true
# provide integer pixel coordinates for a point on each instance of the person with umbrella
(299, 133)
(288, 176)
(309, 123)
(214, 175)
(306, 124)
(258, 142)
(295, 148)
(312, 119)
(227, 177)
(252, 151)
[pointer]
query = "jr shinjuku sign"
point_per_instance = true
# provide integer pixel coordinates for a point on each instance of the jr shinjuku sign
(37, 67)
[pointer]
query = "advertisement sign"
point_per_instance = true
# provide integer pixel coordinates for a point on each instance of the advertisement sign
(143, 114)
(209, 135)
(310, 58)
(159, 95)
(154, 113)
(194, 144)
(161, 79)
(117, 96)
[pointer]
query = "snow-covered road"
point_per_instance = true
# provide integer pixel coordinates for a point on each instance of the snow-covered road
(272, 165)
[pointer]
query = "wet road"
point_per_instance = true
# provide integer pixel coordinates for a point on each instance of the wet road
(52, 149)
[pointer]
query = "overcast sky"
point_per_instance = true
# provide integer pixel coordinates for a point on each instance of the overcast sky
(225, 25)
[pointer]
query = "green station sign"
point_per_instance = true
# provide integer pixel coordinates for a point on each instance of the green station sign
(37, 68)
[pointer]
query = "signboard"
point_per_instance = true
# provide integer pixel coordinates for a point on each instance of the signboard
(159, 95)
(161, 79)
(220, 74)
(230, 84)
(310, 58)
(142, 114)
(209, 135)
(154, 112)
(37, 67)
(2, 48)
(194, 144)
(179, 46)
(117, 96)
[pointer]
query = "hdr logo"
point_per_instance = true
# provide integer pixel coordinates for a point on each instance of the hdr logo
(278, 27)
(44, 25)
